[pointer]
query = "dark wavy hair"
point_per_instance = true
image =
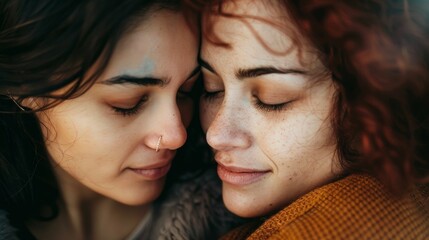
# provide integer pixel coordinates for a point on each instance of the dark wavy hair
(47, 45)
(377, 52)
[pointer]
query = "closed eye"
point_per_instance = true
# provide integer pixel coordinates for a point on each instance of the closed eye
(210, 96)
(126, 112)
(271, 107)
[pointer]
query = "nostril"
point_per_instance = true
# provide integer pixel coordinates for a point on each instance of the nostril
(221, 137)
(218, 138)
(212, 137)
(176, 138)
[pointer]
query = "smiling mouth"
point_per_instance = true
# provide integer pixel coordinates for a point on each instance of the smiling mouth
(239, 176)
(152, 173)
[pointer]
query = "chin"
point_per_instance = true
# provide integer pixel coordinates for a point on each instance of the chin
(244, 207)
(141, 196)
(140, 200)
(244, 211)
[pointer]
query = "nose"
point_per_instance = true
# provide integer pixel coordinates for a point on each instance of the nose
(228, 130)
(170, 133)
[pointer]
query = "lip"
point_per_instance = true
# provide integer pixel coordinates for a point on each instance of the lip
(153, 172)
(239, 176)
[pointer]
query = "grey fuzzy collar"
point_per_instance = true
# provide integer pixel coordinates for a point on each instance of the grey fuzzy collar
(6, 230)
(191, 210)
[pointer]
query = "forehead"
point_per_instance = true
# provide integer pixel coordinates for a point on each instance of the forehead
(266, 8)
(160, 41)
(253, 21)
(259, 31)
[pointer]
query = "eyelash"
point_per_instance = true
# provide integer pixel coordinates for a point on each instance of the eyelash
(184, 94)
(271, 107)
(127, 112)
(210, 96)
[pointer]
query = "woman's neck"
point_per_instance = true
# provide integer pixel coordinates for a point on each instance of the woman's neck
(100, 221)
(84, 214)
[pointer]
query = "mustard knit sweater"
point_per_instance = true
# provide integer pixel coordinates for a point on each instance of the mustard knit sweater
(356, 207)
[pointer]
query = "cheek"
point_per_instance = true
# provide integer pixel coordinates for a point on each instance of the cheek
(292, 132)
(60, 132)
(62, 139)
(80, 148)
(273, 138)
(73, 136)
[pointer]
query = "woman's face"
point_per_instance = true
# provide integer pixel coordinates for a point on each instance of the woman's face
(266, 115)
(105, 140)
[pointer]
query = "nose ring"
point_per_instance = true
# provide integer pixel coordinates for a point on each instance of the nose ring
(158, 143)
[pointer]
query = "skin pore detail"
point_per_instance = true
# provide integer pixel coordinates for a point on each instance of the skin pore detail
(145, 69)
(148, 66)
(265, 114)
(103, 154)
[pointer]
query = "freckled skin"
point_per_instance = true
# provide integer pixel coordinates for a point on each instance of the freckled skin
(295, 144)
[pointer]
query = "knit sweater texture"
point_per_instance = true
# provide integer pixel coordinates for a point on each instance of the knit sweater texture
(356, 207)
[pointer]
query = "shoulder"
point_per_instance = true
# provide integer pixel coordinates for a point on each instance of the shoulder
(356, 207)
(193, 209)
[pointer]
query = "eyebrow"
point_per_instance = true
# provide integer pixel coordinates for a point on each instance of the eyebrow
(257, 71)
(141, 81)
(144, 81)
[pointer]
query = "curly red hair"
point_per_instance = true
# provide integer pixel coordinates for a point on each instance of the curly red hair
(378, 54)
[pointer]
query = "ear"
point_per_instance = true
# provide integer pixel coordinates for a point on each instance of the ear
(15, 100)
(31, 103)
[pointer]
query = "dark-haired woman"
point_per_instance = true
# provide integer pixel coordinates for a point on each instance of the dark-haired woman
(95, 103)
(317, 112)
